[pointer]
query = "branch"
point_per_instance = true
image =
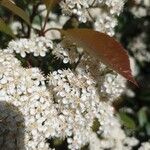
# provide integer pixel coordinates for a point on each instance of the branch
(34, 13)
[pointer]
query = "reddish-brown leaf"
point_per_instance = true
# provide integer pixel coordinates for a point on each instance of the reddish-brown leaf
(107, 49)
(50, 4)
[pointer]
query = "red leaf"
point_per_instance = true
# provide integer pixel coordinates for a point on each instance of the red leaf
(107, 49)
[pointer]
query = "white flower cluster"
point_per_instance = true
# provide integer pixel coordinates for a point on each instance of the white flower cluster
(78, 102)
(139, 48)
(61, 53)
(139, 45)
(113, 142)
(145, 146)
(26, 90)
(88, 10)
(141, 8)
(113, 86)
(65, 108)
(36, 45)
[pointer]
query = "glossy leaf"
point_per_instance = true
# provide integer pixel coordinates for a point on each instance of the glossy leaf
(50, 4)
(107, 49)
(127, 121)
(5, 28)
(16, 10)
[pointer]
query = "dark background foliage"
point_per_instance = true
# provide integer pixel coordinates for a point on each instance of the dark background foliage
(137, 121)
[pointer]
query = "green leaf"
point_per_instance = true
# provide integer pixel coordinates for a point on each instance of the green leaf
(16, 10)
(107, 49)
(142, 117)
(148, 128)
(5, 28)
(127, 121)
(96, 125)
(50, 4)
